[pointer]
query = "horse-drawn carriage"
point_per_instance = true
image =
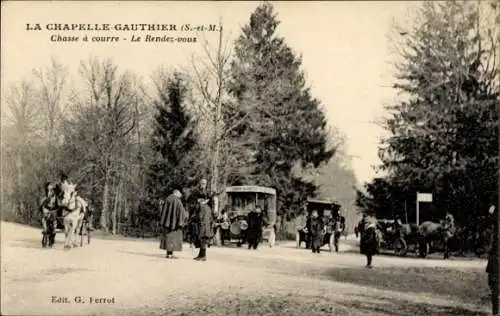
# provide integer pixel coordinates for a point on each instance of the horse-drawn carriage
(398, 237)
(83, 229)
(65, 212)
(426, 238)
(232, 223)
(334, 224)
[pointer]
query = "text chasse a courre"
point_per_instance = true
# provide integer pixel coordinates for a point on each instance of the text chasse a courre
(101, 27)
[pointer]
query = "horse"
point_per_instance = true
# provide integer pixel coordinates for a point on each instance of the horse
(73, 208)
(431, 232)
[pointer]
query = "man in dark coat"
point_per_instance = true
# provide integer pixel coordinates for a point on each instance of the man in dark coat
(492, 267)
(172, 221)
(316, 231)
(255, 227)
(203, 223)
(369, 239)
(199, 192)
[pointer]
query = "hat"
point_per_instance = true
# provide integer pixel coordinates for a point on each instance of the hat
(203, 201)
(178, 193)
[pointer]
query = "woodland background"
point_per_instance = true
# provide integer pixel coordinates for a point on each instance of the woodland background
(243, 114)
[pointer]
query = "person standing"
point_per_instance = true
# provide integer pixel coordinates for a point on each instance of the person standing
(195, 194)
(47, 212)
(339, 224)
(316, 232)
(369, 240)
(203, 220)
(172, 223)
(255, 228)
(492, 266)
(199, 192)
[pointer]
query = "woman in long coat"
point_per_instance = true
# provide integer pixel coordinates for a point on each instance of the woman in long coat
(203, 223)
(316, 231)
(369, 240)
(255, 228)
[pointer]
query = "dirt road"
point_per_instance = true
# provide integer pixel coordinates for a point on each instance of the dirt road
(120, 277)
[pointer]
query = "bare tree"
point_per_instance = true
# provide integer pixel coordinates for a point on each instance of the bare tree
(211, 81)
(51, 82)
(20, 133)
(113, 114)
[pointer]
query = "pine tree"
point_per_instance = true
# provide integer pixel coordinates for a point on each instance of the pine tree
(445, 135)
(174, 140)
(285, 124)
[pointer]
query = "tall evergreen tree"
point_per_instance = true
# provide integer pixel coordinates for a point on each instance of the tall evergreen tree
(285, 124)
(444, 137)
(174, 140)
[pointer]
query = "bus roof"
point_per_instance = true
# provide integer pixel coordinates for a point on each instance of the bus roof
(317, 201)
(250, 189)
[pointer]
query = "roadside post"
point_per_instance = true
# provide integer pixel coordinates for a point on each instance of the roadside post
(422, 197)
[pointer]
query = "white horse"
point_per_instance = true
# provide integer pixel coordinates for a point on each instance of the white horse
(74, 208)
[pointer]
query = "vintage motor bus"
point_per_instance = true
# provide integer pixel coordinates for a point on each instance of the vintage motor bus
(232, 222)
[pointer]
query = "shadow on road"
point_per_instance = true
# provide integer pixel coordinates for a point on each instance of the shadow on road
(28, 243)
(467, 287)
(398, 307)
(144, 254)
(288, 304)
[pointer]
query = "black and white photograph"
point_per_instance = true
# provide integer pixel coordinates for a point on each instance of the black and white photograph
(250, 158)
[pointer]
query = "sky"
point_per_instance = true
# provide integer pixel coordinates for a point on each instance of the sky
(345, 49)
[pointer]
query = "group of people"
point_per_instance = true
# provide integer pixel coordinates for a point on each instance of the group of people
(198, 218)
(316, 228)
(369, 244)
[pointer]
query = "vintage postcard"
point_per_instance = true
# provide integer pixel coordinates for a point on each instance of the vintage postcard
(249, 158)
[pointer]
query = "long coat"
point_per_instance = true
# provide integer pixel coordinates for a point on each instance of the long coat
(201, 224)
(255, 226)
(369, 240)
(172, 221)
(192, 200)
(172, 214)
(316, 231)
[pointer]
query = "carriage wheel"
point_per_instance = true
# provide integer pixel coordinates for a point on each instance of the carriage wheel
(45, 239)
(400, 247)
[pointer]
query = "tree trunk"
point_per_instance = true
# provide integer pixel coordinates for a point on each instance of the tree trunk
(105, 202)
(116, 206)
(19, 185)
